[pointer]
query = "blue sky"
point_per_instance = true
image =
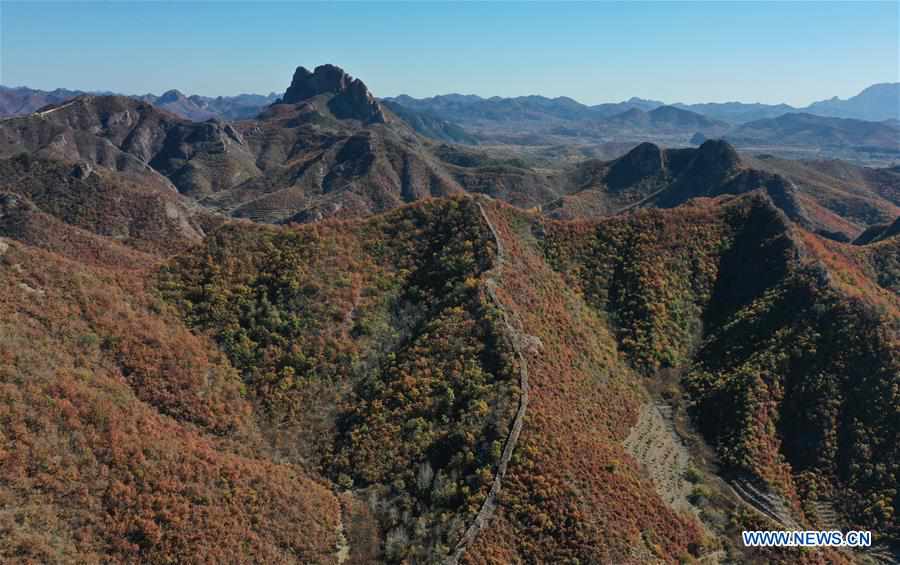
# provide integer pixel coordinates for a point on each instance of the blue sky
(593, 52)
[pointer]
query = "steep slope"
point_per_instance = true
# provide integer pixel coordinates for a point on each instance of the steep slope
(374, 357)
(327, 148)
(453, 380)
(126, 438)
(879, 232)
(861, 196)
(787, 351)
(125, 135)
(833, 198)
(104, 202)
(571, 493)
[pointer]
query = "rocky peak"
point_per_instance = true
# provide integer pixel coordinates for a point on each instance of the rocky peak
(644, 161)
(170, 96)
(350, 97)
(325, 79)
(717, 155)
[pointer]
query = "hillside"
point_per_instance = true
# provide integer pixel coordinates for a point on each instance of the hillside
(846, 196)
(666, 118)
(431, 126)
(776, 361)
(391, 379)
(127, 209)
(125, 135)
(126, 437)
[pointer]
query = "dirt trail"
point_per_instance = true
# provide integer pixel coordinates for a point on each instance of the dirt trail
(518, 341)
(343, 546)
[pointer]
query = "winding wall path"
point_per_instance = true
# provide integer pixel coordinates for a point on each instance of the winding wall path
(516, 340)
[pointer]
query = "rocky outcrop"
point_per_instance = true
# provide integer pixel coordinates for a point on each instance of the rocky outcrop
(350, 99)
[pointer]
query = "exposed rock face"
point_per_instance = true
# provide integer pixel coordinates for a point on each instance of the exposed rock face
(82, 170)
(351, 99)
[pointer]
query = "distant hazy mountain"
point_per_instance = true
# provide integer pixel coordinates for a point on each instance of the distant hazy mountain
(429, 125)
(179, 104)
(738, 112)
(667, 118)
(633, 103)
(877, 103)
(810, 130)
(462, 108)
(536, 120)
(200, 108)
(237, 107)
(20, 101)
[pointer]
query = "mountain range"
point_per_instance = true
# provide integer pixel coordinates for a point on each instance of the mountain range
(538, 121)
(328, 147)
(878, 102)
(319, 335)
(860, 127)
(21, 101)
